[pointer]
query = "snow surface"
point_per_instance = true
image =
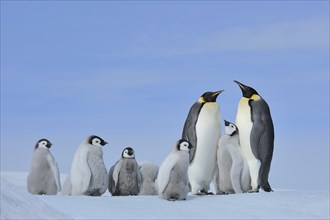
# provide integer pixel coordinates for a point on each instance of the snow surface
(17, 203)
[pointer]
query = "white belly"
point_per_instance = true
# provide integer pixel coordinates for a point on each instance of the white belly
(244, 124)
(201, 170)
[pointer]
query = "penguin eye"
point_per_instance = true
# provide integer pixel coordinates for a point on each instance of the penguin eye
(184, 144)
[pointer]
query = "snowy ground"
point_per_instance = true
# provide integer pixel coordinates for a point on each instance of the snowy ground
(17, 203)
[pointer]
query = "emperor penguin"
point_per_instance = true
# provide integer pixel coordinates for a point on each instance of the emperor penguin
(172, 179)
(44, 175)
(124, 175)
(149, 172)
(88, 174)
(256, 136)
(234, 175)
(202, 130)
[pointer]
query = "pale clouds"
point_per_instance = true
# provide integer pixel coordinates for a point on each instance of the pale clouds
(307, 34)
(287, 35)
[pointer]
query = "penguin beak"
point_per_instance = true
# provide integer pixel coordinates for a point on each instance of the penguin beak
(215, 94)
(242, 86)
(226, 123)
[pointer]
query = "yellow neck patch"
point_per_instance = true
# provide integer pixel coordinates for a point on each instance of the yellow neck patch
(255, 97)
(201, 100)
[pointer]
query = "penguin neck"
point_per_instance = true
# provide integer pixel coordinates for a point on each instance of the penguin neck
(96, 150)
(234, 133)
(42, 148)
(211, 105)
(255, 97)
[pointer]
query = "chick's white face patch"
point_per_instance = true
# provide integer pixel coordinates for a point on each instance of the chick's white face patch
(184, 146)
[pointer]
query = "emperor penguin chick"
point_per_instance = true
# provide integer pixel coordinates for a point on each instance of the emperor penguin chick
(44, 175)
(125, 176)
(202, 130)
(149, 172)
(256, 129)
(234, 176)
(88, 174)
(172, 179)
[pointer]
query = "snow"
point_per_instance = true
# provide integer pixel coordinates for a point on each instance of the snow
(17, 203)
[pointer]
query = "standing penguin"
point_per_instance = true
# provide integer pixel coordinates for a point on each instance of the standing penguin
(234, 176)
(88, 174)
(149, 172)
(44, 176)
(256, 128)
(202, 130)
(124, 176)
(172, 179)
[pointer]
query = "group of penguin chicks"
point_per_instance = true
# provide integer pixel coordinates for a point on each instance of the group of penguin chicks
(237, 162)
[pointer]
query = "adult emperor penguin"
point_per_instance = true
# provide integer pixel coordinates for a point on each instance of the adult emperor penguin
(234, 176)
(149, 172)
(44, 176)
(172, 179)
(88, 174)
(202, 130)
(256, 129)
(125, 176)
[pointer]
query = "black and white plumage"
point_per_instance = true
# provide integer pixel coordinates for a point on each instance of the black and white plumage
(149, 172)
(234, 176)
(88, 175)
(172, 179)
(256, 128)
(202, 129)
(44, 175)
(124, 176)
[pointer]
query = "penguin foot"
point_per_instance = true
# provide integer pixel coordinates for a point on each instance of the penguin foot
(253, 191)
(267, 188)
(204, 192)
(200, 194)
(171, 199)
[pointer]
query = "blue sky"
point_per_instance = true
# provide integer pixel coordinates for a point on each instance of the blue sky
(129, 72)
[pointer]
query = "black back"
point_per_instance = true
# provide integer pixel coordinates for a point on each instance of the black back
(189, 129)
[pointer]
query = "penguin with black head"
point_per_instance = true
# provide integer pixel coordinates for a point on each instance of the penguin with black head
(256, 137)
(202, 130)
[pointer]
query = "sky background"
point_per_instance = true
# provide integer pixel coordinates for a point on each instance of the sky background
(130, 71)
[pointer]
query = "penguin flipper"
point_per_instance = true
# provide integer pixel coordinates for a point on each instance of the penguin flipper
(189, 129)
(262, 141)
(164, 172)
(80, 172)
(111, 186)
(138, 176)
(53, 165)
(86, 175)
(114, 178)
